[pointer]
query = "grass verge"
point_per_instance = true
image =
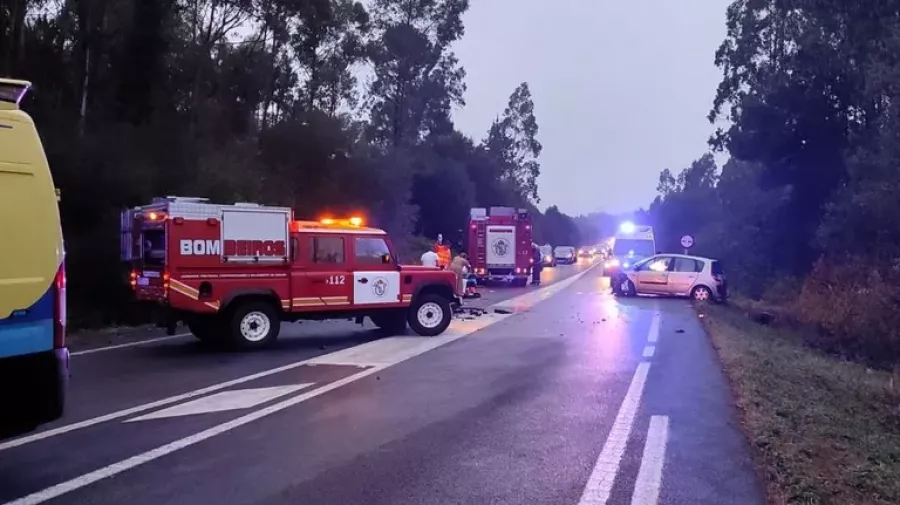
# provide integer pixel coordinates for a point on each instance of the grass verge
(823, 431)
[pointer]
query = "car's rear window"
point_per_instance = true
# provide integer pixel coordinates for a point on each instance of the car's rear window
(687, 265)
(717, 268)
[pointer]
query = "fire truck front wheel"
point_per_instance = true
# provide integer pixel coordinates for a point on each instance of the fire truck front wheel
(254, 324)
(430, 314)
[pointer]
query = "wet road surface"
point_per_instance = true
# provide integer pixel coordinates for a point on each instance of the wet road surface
(569, 396)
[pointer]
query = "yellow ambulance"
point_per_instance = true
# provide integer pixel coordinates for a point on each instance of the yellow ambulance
(34, 360)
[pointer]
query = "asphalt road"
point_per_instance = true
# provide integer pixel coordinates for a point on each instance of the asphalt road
(569, 396)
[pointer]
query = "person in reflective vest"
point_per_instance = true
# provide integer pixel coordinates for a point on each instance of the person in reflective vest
(443, 253)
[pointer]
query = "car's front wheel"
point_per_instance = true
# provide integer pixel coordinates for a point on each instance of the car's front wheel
(430, 315)
(624, 287)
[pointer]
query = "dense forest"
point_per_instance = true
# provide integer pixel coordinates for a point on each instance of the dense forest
(328, 106)
(342, 106)
(805, 214)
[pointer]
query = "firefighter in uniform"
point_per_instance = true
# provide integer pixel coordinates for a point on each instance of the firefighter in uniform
(460, 266)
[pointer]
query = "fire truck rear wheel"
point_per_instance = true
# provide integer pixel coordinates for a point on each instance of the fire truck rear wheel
(430, 315)
(392, 321)
(207, 329)
(254, 324)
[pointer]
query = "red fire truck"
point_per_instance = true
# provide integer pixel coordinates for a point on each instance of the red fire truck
(499, 245)
(232, 272)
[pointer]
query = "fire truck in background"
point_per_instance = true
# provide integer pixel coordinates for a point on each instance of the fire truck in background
(499, 245)
(233, 272)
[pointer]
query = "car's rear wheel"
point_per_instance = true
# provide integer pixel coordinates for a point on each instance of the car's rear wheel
(430, 315)
(253, 325)
(701, 294)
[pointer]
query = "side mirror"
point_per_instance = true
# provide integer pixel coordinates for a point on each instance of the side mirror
(386, 258)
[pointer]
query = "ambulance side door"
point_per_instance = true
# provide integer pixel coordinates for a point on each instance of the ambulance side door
(323, 279)
(376, 277)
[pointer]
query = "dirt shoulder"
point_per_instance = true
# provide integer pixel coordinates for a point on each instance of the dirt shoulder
(822, 430)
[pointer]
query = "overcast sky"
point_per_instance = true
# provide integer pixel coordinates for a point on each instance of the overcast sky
(621, 89)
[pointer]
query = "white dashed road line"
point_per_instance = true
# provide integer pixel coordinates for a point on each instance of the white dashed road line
(654, 329)
(600, 483)
(649, 479)
(649, 351)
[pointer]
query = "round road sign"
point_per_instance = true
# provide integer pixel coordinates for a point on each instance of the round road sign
(687, 241)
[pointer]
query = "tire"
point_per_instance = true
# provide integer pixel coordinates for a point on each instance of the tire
(390, 321)
(253, 325)
(701, 294)
(430, 315)
(207, 328)
(623, 287)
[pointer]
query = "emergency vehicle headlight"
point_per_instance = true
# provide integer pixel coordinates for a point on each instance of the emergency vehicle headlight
(627, 227)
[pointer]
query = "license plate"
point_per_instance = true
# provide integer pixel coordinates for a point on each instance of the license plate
(143, 281)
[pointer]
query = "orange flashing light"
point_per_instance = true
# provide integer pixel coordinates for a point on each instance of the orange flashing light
(352, 221)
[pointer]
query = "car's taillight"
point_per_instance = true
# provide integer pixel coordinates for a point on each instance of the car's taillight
(59, 308)
(166, 278)
(720, 278)
(134, 279)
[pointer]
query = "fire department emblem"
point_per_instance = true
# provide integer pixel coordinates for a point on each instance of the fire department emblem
(379, 287)
(500, 247)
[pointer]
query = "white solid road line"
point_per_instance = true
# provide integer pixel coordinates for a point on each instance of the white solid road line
(649, 479)
(140, 459)
(396, 357)
(460, 330)
(147, 406)
(129, 344)
(599, 485)
(565, 283)
(649, 351)
(235, 399)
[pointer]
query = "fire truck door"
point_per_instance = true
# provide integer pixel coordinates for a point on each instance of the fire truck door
(376, 278)
(327, 281)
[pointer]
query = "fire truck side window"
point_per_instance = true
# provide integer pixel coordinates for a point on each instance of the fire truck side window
(327, 250)
(370, 250)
